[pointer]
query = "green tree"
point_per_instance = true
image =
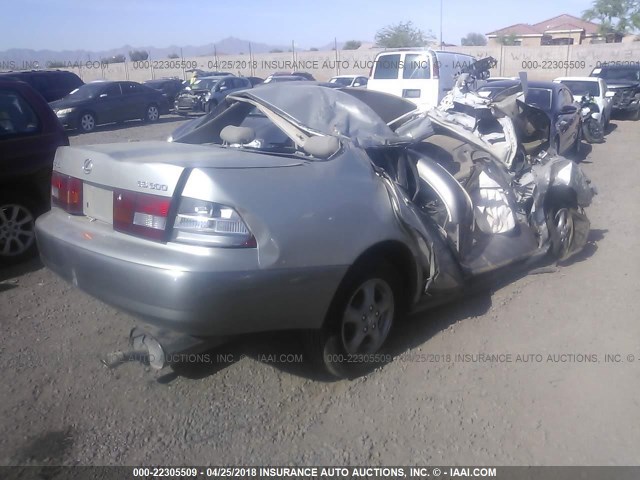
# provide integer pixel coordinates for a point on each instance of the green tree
(508, 40)
(138, 55)
(473, 39)
(173, 55)
(615, 16)
(313, 49)
(275, 50)
(352, 45)
(403, 35)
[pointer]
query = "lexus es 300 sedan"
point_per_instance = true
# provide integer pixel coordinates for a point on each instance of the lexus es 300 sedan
(299, 206)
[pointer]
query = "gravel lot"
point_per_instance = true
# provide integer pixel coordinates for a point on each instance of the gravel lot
(60, 405)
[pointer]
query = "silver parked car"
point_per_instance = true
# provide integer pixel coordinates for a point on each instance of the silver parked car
(299, 206)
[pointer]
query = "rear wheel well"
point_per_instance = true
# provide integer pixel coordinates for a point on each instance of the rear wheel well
(399, 257)
(560, 195)
(36, 187)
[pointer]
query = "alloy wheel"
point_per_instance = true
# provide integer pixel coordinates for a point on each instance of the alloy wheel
(564, 226)
(368, 316)
(152, 113)
(17, 233)
(87, 122)
(595, 129)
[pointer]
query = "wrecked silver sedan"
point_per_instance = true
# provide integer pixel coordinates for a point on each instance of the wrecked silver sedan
(313, 208)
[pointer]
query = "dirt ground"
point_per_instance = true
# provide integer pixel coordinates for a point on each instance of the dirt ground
(548, 396)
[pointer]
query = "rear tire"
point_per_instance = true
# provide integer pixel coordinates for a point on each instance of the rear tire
(577, 145)
(593, 132)
(17, 228)
(560, 224)
(359, 321)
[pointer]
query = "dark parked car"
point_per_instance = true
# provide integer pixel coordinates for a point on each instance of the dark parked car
(29, 136)
(197, 73)
(100, 102)
(255, 81)
(205, 93)
(557, 102)
(283, 78)
(305, 75)
(624, 82)
(51, 84)
(169, 87)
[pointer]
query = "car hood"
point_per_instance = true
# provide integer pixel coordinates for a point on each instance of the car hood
(68, 103)
(185, 155)
(618, 84)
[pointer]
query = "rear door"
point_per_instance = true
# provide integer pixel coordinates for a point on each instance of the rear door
(135, 100)
(418, 82)
(385, 74)
(109, 105)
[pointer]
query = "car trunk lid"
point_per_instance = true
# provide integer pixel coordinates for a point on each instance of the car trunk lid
(112, 181)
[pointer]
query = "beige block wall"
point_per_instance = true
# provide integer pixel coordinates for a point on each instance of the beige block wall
(541, 62)
(530, 41)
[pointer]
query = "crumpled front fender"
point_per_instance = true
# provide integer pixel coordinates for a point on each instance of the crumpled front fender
(566, 173)
(556, 173)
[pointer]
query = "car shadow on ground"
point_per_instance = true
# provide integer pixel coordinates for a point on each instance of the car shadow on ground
(585, 151)
(7, 274)
(112, 127)
(588, 250)
(286, 351)
(610, 128)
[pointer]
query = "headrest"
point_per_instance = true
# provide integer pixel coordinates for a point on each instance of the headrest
(241, 135)
(321, 147)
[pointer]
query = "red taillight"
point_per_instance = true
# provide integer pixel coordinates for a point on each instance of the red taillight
(66, 193)
(436, 68)
(140, 214)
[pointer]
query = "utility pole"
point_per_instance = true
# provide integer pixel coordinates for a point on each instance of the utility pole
(440, 24)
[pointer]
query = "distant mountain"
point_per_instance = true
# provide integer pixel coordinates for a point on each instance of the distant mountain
(23, 57)
(330, 46)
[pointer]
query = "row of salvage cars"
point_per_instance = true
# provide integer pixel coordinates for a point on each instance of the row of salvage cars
(333, 211)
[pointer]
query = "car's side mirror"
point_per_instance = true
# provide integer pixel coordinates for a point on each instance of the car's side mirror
(609, 94)
(568, 109)
(222, 88)
(357, 84)
(103, 95)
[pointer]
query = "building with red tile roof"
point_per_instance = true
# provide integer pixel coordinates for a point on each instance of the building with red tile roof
(563, 29)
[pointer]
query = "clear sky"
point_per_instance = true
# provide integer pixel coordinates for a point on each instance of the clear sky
(106, 24)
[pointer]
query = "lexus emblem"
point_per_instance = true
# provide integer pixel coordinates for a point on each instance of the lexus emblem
(88, 166)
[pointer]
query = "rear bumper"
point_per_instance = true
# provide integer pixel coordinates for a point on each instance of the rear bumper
(219, 294)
